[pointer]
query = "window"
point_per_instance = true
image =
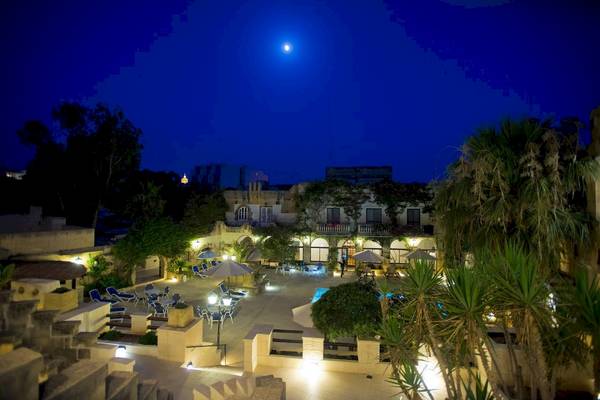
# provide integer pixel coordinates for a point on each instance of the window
(266, 214)
(413, 216)
(373, 215)
(333, 215)
(319, 250)
(241, 214)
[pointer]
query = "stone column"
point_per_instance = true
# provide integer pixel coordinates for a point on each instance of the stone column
(368, 351)
(139, 322)
(19, 371)
(312, 345)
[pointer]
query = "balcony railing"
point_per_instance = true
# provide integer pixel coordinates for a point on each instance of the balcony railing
(364, 229)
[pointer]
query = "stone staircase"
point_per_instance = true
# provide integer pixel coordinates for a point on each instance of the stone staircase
(246, 387)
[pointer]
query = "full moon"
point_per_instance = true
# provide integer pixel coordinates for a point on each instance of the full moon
(287, 48)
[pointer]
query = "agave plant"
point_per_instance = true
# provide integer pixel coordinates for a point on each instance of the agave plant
(410, 381)
(481, 391)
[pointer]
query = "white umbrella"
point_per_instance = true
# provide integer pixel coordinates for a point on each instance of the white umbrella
(420, 254)
(301, 316)
(255, 255)
(228, 268)
(368, 256)
(206, 254)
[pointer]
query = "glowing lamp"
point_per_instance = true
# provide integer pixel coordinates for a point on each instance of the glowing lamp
(212, 299)
(287, 47)
(227, 301)
(121, 351)
(233, 258)
(184, 180)
(189, 365)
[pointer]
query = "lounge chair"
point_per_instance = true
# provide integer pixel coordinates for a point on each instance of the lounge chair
(204, 267)
(202, 312)
(96, 297)
(158, 309)
(213, 263)
(121, 296)
(196, 271)
(174, 300)
(231, 293)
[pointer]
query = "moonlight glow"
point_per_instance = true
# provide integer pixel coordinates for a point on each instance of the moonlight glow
(287, 47)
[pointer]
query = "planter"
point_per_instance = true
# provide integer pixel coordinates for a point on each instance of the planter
(180, 317)
(61, 301)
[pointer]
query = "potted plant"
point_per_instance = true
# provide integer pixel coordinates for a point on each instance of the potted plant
(180, 315)
(6, 273)
(62, 299)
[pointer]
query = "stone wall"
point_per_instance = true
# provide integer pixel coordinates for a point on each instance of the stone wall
(26, 243)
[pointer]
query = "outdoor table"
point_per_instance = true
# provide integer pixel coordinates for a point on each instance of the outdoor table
(153, 292)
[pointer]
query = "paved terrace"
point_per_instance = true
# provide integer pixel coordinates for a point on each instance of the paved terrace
(271, 307)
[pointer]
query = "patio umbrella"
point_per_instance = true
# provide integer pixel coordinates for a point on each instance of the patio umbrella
(206, 254)
(255, 255)
(368, 256)
(420, 254)
(228, 268)
(301, 316)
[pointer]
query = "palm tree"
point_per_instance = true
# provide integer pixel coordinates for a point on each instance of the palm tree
(586, 302)
(466, 300)
(422, 286)
(521, 182)
(520, 291)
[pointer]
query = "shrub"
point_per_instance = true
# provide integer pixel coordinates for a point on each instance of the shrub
(181, 306)
(148, 338)
(350, 309)
(61, 290)
(111, 279)
(111, 335)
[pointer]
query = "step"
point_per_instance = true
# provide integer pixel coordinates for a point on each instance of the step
(70, 328)
(148, 389)
(85, 338)
(121, 385)
(164, 394)
(201, 392)
(217, 391)
(245, 385)
(231, 387)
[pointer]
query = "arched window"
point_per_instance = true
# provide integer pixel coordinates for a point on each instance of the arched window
(346, 250)
(373, 246)
(241, 214)
(319, 250)
(398, 252)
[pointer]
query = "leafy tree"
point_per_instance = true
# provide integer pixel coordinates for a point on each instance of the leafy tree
(6, 274)
(147, 204)
(160, 237)
(524, 182)
(351, 199)
(100, 149)
(278, 247)
(312, 201)
(586, 308)
(396, 197)
(350, 309)
(203, 210)
(241, 250)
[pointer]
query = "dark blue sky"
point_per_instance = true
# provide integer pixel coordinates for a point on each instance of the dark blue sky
(369, 82)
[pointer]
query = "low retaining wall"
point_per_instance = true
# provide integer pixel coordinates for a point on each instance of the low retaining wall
(257, 352)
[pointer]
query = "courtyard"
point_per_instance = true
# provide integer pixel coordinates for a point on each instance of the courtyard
(273, 307)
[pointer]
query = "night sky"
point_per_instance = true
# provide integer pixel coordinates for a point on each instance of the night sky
(369, 82)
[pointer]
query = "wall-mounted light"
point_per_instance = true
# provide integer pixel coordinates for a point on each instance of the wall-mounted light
(121, 351)
(189, 365)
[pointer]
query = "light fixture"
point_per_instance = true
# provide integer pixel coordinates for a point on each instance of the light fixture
(121, 351)
(184, 180)
(413, 242)
(78, 260)
(287, 47)
(227, 301)
(225, 257)
(212, 298)
(174, 279)
(189, 365)
(233, 258)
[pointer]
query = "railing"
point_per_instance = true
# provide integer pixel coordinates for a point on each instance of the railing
(287, 346)
(218, 346)
(333, 350)
(333, 228)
